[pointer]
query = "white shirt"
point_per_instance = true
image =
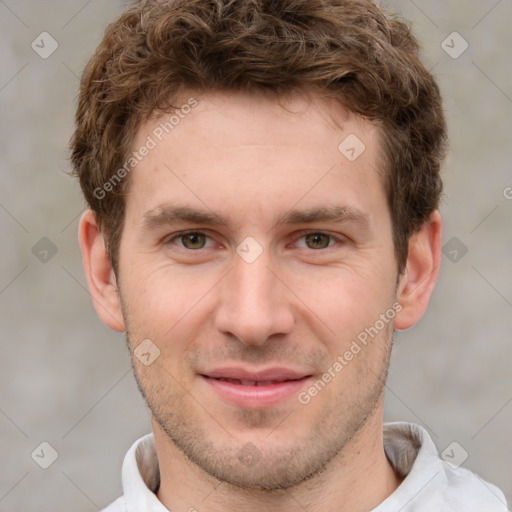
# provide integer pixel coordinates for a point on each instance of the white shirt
(430, 484)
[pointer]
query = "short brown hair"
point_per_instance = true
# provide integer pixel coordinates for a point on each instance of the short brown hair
(350, 49)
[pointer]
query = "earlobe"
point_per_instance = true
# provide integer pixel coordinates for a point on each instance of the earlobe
(99, 272)
(418, 280)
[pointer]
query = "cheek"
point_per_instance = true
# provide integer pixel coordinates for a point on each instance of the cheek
(162, 291)
(346, 296)
(167, 305)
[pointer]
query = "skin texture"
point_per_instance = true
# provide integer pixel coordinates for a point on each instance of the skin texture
(299, 305)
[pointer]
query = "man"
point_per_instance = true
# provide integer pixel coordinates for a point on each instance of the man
(263, 183)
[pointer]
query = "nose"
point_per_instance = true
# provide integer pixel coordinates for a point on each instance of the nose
(254, 302)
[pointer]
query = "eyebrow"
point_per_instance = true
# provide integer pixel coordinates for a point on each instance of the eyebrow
(166, 215)
(324, 214)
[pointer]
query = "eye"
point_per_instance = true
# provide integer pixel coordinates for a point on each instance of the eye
(318, 240)
(190, 240)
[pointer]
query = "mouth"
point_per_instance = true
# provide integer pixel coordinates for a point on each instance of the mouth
(253, 382)
(255, 389)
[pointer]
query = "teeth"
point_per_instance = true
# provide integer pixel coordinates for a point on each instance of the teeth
(251, 382)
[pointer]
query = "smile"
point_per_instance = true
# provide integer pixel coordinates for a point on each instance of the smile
(257, 390)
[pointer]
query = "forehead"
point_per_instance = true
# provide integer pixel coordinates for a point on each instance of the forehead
(244, 119)
(230, 149)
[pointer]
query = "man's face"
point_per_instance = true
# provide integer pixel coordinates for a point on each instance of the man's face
(245, 326)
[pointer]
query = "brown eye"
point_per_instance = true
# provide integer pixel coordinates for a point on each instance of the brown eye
(317, 240)
(193, 240)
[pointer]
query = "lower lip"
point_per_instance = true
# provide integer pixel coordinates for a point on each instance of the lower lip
(256, 397)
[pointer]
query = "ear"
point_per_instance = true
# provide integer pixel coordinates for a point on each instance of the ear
(416, 284)
(100, 274)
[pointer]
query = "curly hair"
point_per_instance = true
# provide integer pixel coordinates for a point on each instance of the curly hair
(349, 49)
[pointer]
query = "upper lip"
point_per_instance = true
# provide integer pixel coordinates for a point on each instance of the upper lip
(274, 374)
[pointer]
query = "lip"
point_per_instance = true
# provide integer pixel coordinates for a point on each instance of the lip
(269, 387)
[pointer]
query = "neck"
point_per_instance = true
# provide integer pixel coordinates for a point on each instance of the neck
(356, 480)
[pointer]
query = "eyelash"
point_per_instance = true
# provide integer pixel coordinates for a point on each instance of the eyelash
(302, 234)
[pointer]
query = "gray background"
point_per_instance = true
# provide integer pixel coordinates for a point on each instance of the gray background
(66, 379)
